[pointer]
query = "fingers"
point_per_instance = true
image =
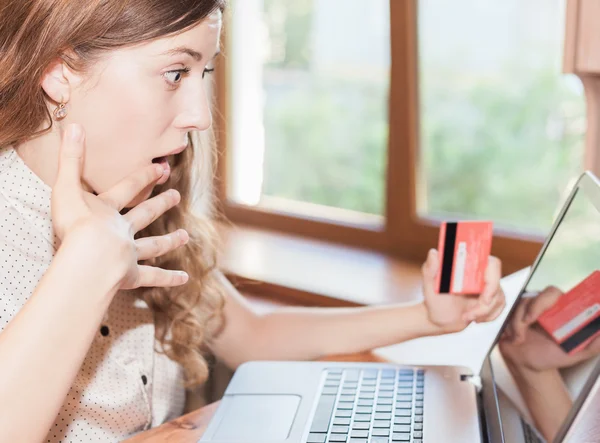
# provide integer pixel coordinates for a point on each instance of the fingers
(152, 247)
(148, 211)
(482, 311)
(127, 189)
(150, 276)
(70, 159)
(519, 326)
(544, 301)
(493, 274)
(429, 272)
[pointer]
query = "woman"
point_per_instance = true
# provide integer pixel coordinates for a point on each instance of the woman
(98, 103)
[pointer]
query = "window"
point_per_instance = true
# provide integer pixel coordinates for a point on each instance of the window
(368, 125)
(501, 128)
(309, 115)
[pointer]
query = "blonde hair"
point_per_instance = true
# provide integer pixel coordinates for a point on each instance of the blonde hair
(34, 33)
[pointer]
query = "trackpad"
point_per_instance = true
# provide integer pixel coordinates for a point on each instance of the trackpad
(256, 417)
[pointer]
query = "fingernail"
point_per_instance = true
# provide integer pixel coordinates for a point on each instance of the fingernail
(184, 276)
(75, 132)
(159, 169)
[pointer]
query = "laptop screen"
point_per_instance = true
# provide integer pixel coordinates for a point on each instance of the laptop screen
(549, 341)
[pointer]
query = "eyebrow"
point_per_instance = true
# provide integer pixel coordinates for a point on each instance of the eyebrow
(189, 51)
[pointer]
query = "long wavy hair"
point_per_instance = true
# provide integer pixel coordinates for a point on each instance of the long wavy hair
(34, 33)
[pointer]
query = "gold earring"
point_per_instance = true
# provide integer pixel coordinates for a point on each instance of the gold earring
(61, 111)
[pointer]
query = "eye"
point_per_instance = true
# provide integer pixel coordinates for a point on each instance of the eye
(208, 71)
(177, 73)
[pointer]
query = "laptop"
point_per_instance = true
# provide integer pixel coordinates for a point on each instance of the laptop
(320, 402)
(569, 257)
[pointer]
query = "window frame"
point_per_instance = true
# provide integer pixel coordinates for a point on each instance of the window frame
(403, 233)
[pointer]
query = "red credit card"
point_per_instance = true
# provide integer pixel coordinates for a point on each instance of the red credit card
(574, 320)
(464, 249)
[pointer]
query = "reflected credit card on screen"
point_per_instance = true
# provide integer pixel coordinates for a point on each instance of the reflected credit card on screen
(574, 320)
(464, 249)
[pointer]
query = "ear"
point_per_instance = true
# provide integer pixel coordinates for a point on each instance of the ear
(58, 81)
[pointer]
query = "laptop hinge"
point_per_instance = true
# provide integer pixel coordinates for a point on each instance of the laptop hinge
(475, 380)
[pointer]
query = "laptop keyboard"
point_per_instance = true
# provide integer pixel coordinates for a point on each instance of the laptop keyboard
(369, 406)
(529, 434)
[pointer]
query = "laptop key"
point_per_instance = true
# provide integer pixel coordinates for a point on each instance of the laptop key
(383, 408)
(323, 414)
(378, 440)
(359, 433)
(383, 416)
(402, 420)
(388, 373)
(361, 425)
(419, 419)
(340, 429)
(403, 413)
(418, 434)
(401, 428)
(381, 423)
(338, 437)
(346, 405)
(401, 436)
(403, 405)
(380, 432)
(365, 402)
(370, 374)
(339, 421)
(343, 413)
(384, 401)
(352, 374)
(358, 440)
(418, 411)
(316, 438)
(418, 426)
(362, 417)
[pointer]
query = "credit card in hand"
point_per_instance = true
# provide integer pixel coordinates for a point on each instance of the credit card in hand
(574, 320)
(464, 249)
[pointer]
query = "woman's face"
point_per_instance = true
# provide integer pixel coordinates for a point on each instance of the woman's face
(139, 104)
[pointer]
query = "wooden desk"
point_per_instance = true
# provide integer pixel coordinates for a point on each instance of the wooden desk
(189, 428)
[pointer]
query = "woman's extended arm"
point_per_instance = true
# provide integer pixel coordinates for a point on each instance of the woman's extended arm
(301, 333)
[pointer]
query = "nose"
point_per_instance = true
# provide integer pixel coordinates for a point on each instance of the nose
(196, 115)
